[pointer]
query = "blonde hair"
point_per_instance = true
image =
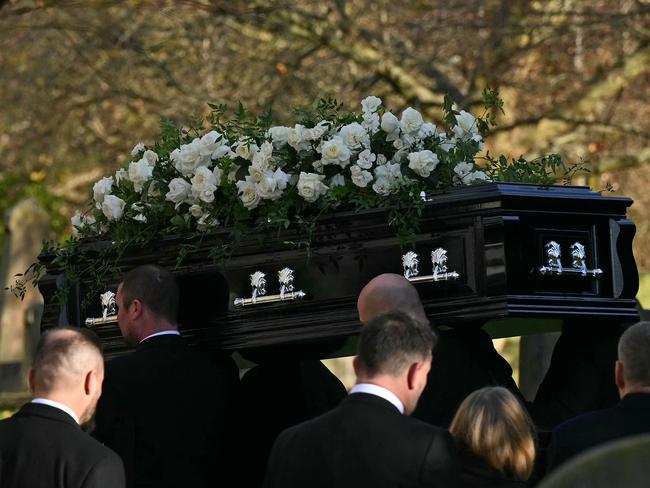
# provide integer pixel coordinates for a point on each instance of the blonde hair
(493, 425)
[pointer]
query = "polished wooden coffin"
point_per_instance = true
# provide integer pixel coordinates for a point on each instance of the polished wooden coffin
(483, 252)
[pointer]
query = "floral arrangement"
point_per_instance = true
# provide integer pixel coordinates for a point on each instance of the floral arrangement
(196, 179)
(244, 174)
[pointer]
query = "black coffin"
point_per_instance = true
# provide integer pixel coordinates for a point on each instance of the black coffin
(499, 240)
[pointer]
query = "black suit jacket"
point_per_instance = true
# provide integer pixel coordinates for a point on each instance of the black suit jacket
(164, 410)
(464, 360)
(42, 446)
(630, 416)
(364, 441)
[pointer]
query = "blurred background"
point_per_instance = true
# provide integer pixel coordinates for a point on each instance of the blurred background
(81, 82)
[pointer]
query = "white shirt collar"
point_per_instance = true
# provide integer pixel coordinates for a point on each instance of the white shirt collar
(164, 332)
(60, 406)
(379, 391)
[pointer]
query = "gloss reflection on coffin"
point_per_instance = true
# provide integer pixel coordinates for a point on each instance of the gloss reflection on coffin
(491, 251)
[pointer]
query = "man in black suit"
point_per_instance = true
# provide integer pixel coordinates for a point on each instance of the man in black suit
(369, 439)
(43, 445)
(629, 417)
(163, 409)
(464, 360)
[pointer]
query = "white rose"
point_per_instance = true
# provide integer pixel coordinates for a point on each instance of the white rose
(187, 158)
(411, 121)
(247, 191)
(365, 159)
(279, 135)
(296, 138)
(121, 175)
(360, 177)
(465, 126)
(337, 180)
(382, 186)
(390, 171)
(113, 207)
(136, 149)
(370, 104)
(354, 136)
(204, 184)
(221, 151)
(427, 130)
(423, 162)
(310, 186)
(245, 149)
(179, 190)
(139, 173)
(267, 187)
(381, 159)
(196, 211)
(262, 158)
(389, 123)
(318, 131)
(371, 122)
(102, 188)
(150, 157)
(462, 173)
(478, 176)
(335, 151)
(140, 218)
(80, 222)
(208, 144)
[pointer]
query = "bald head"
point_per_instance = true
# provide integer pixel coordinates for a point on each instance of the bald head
(388, 293)
(62, 359)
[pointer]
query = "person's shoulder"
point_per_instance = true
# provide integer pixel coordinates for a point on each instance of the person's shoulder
(583, 421)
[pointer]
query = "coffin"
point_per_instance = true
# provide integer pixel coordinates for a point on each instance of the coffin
(484, 252)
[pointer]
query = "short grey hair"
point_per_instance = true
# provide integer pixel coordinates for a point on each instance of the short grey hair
(391, 342)
(634, 353)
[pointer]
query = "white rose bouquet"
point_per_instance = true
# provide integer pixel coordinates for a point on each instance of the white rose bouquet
(246, 170)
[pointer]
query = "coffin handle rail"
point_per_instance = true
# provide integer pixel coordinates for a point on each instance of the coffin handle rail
(109, 311)
(438, 260)
(578, 262)
(259, 296)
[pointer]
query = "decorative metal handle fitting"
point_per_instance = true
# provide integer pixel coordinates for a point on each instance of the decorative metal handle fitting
(439, 262)
(578, 261)
(109, 311)
(258, 283)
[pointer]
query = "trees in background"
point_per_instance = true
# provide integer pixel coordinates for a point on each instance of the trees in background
(82, 82)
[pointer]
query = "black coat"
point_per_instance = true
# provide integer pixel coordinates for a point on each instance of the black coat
(629, 417)
(42, 446)
(364, 441)
(464, 360)
(300, 390)
(477, 473)
(164, 410)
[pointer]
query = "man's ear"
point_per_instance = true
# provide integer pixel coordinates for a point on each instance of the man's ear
(31, 379)
(412, 375)
(91, 382)
(355, 365)
(619, 378)
(136, 309)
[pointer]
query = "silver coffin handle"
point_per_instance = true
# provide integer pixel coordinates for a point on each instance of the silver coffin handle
(259, 296)
(439, 262)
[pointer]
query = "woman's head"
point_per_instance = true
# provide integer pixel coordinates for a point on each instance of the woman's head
(493, 425)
